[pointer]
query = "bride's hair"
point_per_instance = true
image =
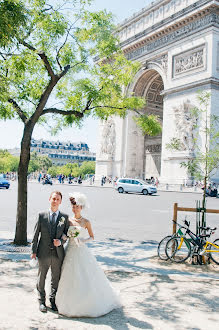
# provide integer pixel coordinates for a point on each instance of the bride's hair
(78, 198)
(72, 200)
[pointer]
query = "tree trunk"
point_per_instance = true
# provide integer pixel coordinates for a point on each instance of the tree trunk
(21, 219)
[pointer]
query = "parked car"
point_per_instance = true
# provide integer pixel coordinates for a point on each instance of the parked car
(135, 186)
(4, 183)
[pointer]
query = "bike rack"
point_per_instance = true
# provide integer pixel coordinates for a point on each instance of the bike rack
(198, 211)
(177, 208)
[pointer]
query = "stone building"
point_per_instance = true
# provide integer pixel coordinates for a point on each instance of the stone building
(61, 153)
(177, 44)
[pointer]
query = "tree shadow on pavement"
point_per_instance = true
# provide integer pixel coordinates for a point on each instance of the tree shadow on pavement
(116, 320)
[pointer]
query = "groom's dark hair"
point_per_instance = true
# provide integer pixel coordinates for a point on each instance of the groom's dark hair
(57, 193)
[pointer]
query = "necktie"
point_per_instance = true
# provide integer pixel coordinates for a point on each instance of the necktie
(53, 218)
(53, 226)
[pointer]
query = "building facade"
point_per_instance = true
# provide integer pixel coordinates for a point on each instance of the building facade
(61, 153)
(177, 44)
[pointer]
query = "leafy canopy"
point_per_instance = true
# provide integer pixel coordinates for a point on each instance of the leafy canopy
(49, 69)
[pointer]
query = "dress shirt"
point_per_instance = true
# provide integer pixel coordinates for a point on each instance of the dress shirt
(51, 213)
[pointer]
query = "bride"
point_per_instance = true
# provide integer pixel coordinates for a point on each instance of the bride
(83, 288)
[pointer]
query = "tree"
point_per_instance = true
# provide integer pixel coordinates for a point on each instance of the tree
(48, 75)
(205, 161)
(87, 168)
(13, 18)
(38, 163)
(8, 163)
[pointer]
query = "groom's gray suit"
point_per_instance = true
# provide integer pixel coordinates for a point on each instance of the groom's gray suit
(49, 255)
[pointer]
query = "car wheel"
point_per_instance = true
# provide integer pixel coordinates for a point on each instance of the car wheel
(144, 192)
(121, 190)
(7, 187)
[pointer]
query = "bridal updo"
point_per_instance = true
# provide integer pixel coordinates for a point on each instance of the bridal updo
(78, 198)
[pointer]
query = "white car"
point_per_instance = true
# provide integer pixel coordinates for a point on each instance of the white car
(135, 186)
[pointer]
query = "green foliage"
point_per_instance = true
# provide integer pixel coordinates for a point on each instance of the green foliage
(8, 163)
(73, 169)
(88, 87)
(149, 124)
(87, 168)
(38, 163)
(13, 16)
(175, 144)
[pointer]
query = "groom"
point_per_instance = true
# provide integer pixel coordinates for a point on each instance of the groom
(47, 245)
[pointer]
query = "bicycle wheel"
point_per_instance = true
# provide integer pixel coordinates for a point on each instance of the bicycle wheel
(215, 255)
(178, 249)
(161, 248)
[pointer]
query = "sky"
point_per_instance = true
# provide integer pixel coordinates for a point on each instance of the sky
(11, 131)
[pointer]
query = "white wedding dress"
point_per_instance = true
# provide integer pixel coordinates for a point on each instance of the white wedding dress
(84, 290)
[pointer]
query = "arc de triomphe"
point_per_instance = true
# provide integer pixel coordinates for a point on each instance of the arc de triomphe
(177, 43)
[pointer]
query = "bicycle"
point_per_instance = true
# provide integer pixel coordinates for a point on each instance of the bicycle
(162, 245)
(179, 249)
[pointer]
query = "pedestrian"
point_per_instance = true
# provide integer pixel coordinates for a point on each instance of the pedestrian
(39, 177)
(102, 180)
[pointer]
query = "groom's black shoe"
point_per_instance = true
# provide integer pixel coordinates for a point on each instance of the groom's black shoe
(43, 308)
(53, 306)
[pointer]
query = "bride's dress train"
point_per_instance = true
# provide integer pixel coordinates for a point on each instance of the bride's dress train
(83, 288)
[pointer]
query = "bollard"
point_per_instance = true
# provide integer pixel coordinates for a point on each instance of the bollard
(167, 186)
(181, 187)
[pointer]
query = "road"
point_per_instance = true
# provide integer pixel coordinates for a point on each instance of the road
(113, 216)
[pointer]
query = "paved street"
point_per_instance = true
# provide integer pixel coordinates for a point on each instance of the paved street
(114, 216)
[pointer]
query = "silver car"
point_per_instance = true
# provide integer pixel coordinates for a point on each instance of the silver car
(134, 186)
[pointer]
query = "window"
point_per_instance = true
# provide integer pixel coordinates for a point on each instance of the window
(136, 182)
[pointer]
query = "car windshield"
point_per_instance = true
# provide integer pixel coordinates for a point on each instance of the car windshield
(143, 182)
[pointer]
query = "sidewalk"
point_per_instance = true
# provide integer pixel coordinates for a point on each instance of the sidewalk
(155, 294)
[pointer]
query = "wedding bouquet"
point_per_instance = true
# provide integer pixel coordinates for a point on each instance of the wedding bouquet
(73, 231)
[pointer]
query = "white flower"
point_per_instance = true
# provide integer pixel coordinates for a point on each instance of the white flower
(61, 221)
(73, 231)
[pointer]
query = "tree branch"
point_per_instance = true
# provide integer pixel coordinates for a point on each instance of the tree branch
(18, 110)
(62, 112)
(57, 56)
(63, 73)
(110, 107)
(43, 57)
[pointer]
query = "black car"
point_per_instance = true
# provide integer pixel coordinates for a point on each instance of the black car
(4, 183)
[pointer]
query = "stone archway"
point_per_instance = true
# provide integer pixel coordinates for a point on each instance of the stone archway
(150, 85)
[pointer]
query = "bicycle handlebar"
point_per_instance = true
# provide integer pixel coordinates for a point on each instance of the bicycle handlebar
(208, 228)
(202, 228)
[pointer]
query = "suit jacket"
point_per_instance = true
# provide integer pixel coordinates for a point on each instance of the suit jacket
(42, 243)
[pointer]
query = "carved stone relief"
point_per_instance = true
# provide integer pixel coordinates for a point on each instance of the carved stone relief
(163, 61)
(154, 148)
(108, 138)
(185, 125)
(180, 33)
(188, 61)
